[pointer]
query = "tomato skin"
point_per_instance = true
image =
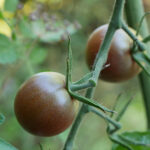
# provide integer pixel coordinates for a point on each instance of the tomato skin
(122, 66)
(146, 5)
(43, 105)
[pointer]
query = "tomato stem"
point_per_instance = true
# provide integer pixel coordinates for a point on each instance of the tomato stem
(101, 114)
(123, 110)
(84, 78)
(135, 39)
(90, 102)
(115, 23)
(139, 51)
(69, 85)
(133, 18)
(77, 87)
(141, 21)
(100, 60)
(116, 139)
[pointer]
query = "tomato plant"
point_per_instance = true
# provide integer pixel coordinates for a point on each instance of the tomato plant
(43, 106)
(121, 65)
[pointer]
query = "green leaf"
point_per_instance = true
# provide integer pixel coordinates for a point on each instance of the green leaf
(55, 36)
(50, 36)
(11, 5)
(2, 118)
(1, 15)
(143, 60)
(4, 40)
(42, 31)
(7, 56)
(147, 39)
(41, 147)
(38, 55)
(142, 138)
(136, 140)
(8, 50)
(25, 28)
(117, 147)
(6, 146)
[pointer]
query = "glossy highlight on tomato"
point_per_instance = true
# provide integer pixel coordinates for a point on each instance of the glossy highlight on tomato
(121, 67)
(43, 105)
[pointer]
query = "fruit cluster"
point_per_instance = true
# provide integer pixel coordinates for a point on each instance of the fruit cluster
(43, 105)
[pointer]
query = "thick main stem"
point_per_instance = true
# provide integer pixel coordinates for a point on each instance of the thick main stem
(83, 110)
(134, 12)
(114, 24)
(98, 65)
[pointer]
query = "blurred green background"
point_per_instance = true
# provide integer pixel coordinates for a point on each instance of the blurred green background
(36, 40)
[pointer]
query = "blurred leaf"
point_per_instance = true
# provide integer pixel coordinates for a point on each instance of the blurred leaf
(1, 15)
(118, 147)
(7, 56)
(1, 4)
(11, 5)
(63, 136)
(147, 39)
(43, 31)
(8, 53)
(11, 125)
(142, 140)
(41, 147)
(25, 28)
(49, 36)
(4, 40)
(4, 28)
(2, 118)
(38, 55)
(38, 28)
(6, 146)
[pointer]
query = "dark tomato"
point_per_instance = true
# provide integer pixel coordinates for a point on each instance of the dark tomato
(122, 66)
(146, 5)
(43, 105)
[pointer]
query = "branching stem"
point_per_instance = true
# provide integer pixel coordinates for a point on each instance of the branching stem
(100, 60)
(133, 18)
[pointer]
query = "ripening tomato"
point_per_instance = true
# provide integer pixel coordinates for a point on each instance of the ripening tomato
(43, 105)
(121, 64)
(146, 4)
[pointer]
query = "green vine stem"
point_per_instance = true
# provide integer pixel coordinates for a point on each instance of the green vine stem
(114, 123)
(141, 46)
(115, 23)
(134, 13)
(141, 22)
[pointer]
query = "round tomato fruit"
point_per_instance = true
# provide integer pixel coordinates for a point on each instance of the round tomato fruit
(121, 64)
(43, 105)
